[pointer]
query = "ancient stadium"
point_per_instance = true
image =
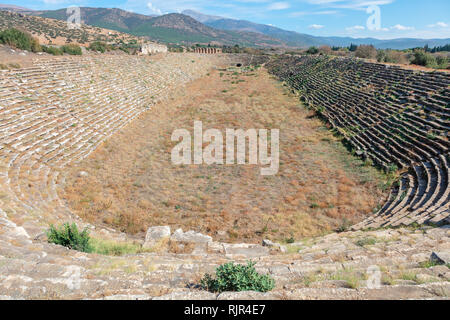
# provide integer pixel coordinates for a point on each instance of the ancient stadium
(363, 175)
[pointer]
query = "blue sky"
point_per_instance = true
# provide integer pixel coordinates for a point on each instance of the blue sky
(399, 18)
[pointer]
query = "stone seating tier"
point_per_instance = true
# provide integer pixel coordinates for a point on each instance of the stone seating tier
(390, 115)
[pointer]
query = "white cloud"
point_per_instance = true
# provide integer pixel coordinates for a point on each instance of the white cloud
(438, 25)
(312, 13)
(316, 26)
(153, 9)
(279, 6)
(355, 28)
(350, 4)
(399, 27)
(163, 6)
(55, 1)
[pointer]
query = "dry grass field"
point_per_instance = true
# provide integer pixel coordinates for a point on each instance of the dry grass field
(132, 184)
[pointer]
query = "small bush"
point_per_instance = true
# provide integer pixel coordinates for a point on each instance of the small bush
(52, 50)
(69, 236)
(312, 50)
(19, 39)
(428, 264)
(290, 240)
(98, 46)
(325, 50)
(422, 58)
(366, 52)
(392, 56)
(381, 56)
(236, 277)
(366, 242)
(14, 66)
(124, 49)
(72, 49)
(345, 226)
(442, 62)
(392, 168)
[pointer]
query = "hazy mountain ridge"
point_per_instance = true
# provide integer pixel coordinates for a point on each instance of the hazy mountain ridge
(191, 27)
(14, 8)
(293, 38)
(200, 16)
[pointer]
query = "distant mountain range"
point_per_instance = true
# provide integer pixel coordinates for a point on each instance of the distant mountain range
(295, 39)
(200, 17)
(169, 28)
(11, 7)
(192, 27)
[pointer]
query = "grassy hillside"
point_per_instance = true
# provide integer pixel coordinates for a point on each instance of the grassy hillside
(51, 31)
(170, 28)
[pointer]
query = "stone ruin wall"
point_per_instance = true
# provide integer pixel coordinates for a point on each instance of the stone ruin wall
(150, 48)
(208, 50)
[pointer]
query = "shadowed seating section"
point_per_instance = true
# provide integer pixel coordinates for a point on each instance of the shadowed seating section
(397, 118)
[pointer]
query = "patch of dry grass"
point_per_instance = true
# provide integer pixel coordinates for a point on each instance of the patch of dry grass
(132, 183)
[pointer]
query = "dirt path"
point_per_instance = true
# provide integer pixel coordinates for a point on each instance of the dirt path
(132, 183)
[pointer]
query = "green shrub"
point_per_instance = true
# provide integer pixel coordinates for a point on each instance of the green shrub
(236, 277)
(312, 50)
(366, 242)
(381, 56)
(52, 50)
(345, 226)
(124, 49)
(392, 56)
(366, 52)
(19, 39)
(131, 48)
(72, 49)
(422, 58)
(391, 168)
(98, 46)
(442, 62)
(428, 264)
(14, 66)
(69, 236)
